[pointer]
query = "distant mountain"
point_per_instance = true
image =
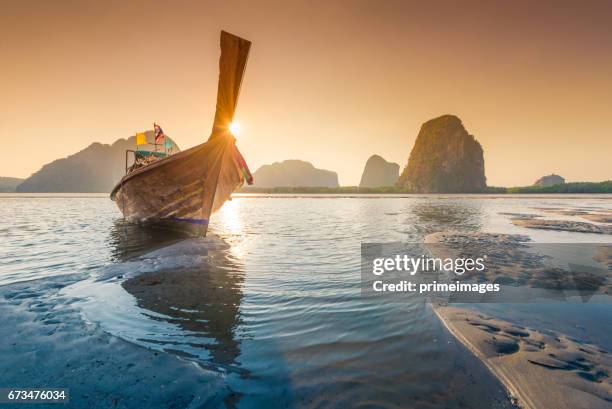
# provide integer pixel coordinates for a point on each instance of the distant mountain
(445, 159)
(378, 173)
(549, 180)
(293, 173)
(94, 169)
(9, 185)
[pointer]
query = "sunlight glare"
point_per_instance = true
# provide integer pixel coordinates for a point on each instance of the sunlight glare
(230, 216)
(235, 128)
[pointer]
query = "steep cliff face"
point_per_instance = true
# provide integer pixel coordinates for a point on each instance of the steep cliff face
(378, 172)
(444, 159)
(94, 169)
(549, 180)
(294, 173)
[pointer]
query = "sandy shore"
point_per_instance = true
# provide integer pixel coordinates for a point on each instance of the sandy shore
(603, 217)
(562, 225)
(594, 215)
(511, 263)
(540, 368)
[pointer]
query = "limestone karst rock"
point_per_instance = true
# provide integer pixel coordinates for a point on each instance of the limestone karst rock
(9, 185)
(378, 173)
(444, 159)
(549, 180)
(94, 169)
(293, 173)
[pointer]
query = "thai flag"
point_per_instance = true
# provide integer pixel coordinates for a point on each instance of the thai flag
(159, 134)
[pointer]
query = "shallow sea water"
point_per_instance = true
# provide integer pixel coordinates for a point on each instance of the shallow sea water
(270, 303)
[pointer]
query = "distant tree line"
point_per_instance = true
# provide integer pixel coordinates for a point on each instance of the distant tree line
(575, 187)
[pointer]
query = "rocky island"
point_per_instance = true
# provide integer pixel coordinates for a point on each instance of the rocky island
(8, 184)
(378, 173)
(549, 180)
(293, 173)
(445, 159)
(94, 169)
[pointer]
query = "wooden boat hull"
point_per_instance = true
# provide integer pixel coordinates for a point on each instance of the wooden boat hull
(186, 187)
(190, 185)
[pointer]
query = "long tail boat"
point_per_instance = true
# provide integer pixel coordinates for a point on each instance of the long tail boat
(187, 187)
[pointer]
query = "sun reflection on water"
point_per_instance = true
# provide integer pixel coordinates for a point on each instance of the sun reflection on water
(229, 216)
(229, 222)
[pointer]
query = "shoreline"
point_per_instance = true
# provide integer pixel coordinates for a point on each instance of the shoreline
(524, 363)
(516, 396)
(539, 368)
(345, 195)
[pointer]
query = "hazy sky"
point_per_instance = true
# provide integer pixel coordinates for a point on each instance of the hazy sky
(331, 82)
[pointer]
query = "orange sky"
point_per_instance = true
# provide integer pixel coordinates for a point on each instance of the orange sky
(331, 82)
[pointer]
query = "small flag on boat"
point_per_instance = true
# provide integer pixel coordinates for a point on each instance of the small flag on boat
(159, 134)
(244, 169)
(141, 138)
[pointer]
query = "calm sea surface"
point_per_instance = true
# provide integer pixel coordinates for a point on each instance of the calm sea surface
(270, 302)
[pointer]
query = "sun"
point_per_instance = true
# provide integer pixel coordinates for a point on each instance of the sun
(235, 128)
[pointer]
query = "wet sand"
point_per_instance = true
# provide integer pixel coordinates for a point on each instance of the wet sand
(540, 369)
(600, 217)
(511, 263)
(46, 344)
(561, 225)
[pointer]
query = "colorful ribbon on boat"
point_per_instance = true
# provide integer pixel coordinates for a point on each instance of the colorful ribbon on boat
(159, 134)
(244, 168)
